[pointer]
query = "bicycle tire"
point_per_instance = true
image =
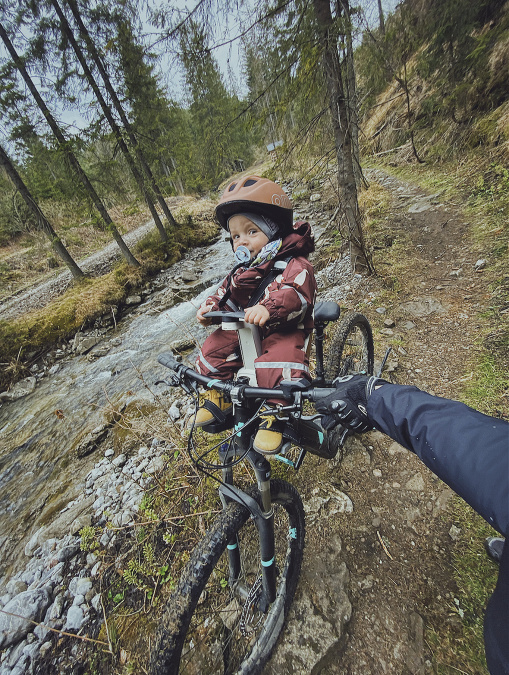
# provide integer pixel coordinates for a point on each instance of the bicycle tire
(193, 635)
(351, 349)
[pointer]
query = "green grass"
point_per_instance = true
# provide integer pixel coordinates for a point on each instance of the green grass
(475, 575)
(89, 299)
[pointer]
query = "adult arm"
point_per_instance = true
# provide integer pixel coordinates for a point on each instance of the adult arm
(466, 449)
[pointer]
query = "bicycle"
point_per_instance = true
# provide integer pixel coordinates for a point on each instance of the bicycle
(230, 603)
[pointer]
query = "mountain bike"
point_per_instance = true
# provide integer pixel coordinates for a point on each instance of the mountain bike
(233, 596)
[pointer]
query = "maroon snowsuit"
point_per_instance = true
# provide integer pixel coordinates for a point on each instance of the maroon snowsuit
(289, 299)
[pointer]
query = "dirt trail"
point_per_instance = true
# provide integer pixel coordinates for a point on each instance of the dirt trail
(395, 545)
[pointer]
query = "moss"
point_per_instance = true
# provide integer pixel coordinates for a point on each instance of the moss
(90, 298)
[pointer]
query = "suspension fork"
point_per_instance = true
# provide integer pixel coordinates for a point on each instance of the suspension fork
(263, 516)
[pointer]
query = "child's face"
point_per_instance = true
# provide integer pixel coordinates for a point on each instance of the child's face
(245, 233)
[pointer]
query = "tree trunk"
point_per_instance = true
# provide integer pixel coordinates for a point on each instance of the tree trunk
(111, 120)
(409, 117)
(68, 153)
(381, 17)
(351, 217)
(353, 111)
(42, 222)
(118, 107)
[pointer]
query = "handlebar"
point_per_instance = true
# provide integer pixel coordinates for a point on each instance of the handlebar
(287, 389)
(226, 317)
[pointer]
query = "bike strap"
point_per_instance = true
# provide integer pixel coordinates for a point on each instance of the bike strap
(276, 270)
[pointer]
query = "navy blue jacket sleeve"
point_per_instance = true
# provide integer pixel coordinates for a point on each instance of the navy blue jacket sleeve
(466, 449)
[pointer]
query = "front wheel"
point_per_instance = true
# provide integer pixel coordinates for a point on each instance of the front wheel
(351, 350)
(212, 625)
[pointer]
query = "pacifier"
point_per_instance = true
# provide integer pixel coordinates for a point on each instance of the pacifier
(242, 254)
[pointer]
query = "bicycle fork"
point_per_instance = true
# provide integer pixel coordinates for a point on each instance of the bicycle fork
(264, 520)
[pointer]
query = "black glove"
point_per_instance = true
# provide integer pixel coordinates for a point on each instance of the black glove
(348, 404)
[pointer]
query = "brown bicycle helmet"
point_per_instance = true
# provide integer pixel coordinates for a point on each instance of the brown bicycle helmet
(256, 195)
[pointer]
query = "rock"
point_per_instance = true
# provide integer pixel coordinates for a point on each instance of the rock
(174, 413)
(455, 274)
(416, 483)
(387, 332)
(322, 604)
(67, 552)
(343, 502)
(133, 300)
(391, 366)
(420, 206)
(366, 583)
(377, 473)
(182, 345)
(83, 585)
(19, 390)
(61, 526)
(45, 648)
(407, 325)
(83, 520)
(100, 351)
(120, 460)
(31, 605)
(389, 323)
(92, 440)
(380, 310)
(315, 197)
(83, 343)
(421, 307)
(396, 448)
(155, 465)
(454, 532)
(15, 586)
(415, 650)
(109, 453)
(75, 618)
(188, 276)
(480, 265)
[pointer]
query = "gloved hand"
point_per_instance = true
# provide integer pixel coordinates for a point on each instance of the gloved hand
(348, 404)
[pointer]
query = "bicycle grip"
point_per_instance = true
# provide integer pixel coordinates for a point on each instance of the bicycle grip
(168, 360)
(318, 394)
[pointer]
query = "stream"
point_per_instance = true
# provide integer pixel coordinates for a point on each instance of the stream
(39, 469)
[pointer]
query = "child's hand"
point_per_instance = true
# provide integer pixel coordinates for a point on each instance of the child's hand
(258, 314)
(199, 315)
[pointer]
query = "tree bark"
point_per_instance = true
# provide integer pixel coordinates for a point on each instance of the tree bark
(351, 217)
(42, 221)
(353, 116)
(128, 127)
(68, 153)
(381, 17)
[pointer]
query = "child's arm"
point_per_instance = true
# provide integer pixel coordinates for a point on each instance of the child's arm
(291, 296)
(257, 314)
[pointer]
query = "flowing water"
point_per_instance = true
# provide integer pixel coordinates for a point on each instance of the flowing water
(39, 469)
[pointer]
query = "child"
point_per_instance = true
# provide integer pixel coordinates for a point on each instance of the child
(259, 217)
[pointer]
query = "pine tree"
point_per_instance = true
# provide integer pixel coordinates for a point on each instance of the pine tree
(42, 222)
(71, 158)
(132, 137)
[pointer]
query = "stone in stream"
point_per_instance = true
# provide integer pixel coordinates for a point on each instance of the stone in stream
(28, 607)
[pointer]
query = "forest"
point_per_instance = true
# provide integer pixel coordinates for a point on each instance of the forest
(389, 124)
(157, 116)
